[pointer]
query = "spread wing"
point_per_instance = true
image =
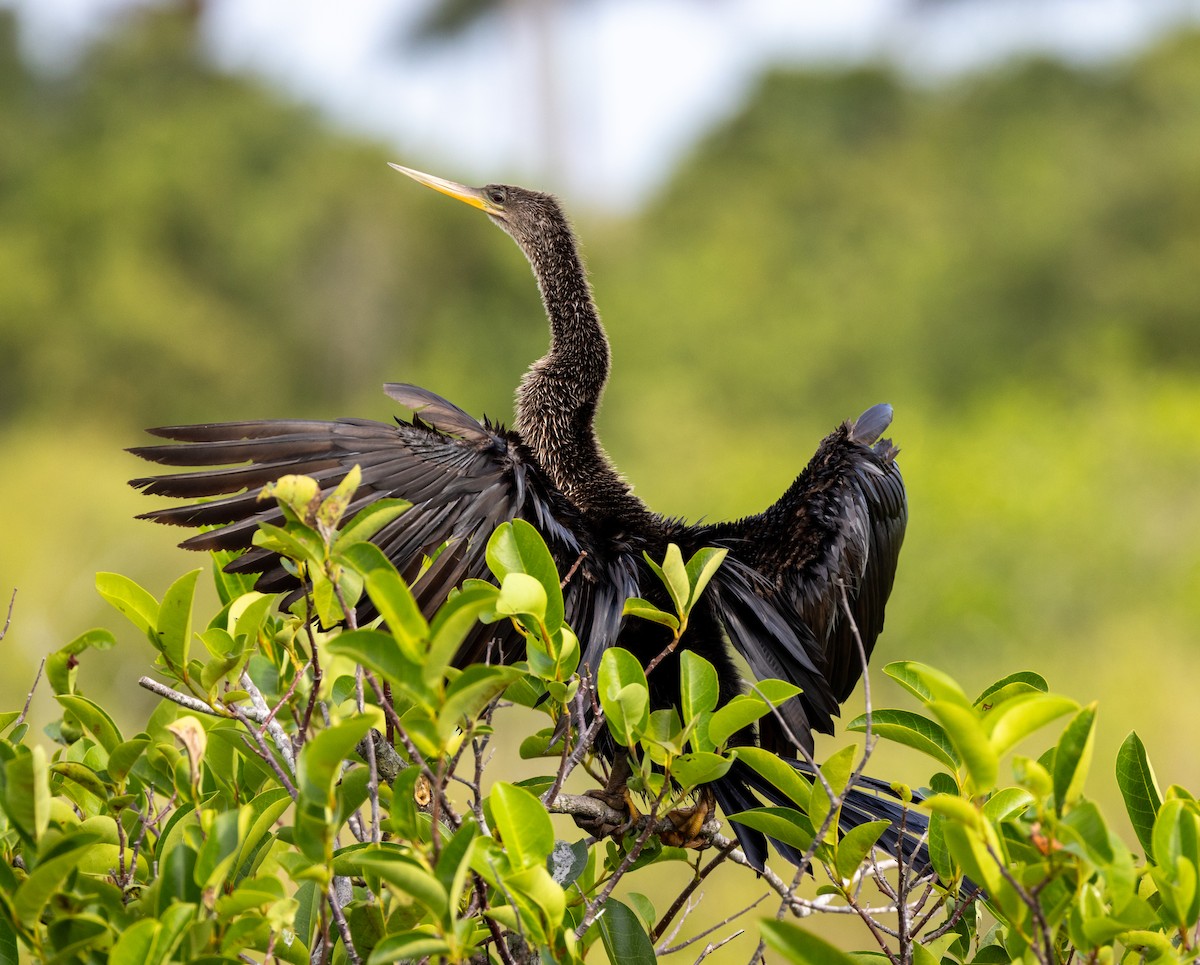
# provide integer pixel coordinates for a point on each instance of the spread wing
(463, 478)
(839, 525)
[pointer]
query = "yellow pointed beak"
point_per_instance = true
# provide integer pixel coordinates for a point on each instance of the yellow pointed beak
(472, 196)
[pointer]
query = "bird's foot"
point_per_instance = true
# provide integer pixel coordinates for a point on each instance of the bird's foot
(689, 822)
(618, 799)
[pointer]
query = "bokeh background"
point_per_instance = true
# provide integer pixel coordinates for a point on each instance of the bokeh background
(986, 213)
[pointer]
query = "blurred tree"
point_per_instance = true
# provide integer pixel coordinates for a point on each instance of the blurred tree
(161, 218)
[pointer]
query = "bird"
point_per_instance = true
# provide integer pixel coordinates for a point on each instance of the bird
(801, 592)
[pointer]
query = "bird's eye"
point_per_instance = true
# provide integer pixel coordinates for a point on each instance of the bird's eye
(497, 195)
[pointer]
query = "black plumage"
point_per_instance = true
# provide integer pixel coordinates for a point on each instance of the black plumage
(776, 600)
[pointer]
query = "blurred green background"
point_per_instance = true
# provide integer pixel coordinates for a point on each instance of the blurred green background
(1011, 258)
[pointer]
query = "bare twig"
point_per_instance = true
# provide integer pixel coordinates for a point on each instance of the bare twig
(193, 704)
(372, 765)
(686, 894)
(571, 572)
(268, 721)
(36, 678)
(12, 601)
(264, 751)
(712, 928)
(343, 926)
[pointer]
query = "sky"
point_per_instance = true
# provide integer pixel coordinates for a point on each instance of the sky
(634, 82)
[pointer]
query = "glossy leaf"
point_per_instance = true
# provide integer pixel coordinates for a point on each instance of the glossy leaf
(523, 824)
(926, 683)
(699, 768)
(174, 627)
(624, 694)
(779, 773)
(698, 687)
(970, 742)
(1023, 681)
(855, 845)
(1139, 788)
(137, 604)
(371, 519)
(782, 824)
(517, 547)
(395, 603)
(802, 947)
(645, 610)
(1073, 757)
(624, 937)
(701, 568)
(1018, 717)
(912, 730)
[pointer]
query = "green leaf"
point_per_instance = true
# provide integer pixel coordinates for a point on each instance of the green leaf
(1007, 803)
(61, 665)
(970, 742)
(517, 547)
(27, 792)
(470, 692)
(698, 688)
(1139, 788)
(801, 947)
(926, 683)
(523, 824)
(1023, 681)
(45, 880)
(673, 575)
(625, 939)
(94, 718)
(370, 520)
(701, 568)
(742, 711)
(136, 604)
(836, 770)
(521, 595)
(380, 653)
(699, 768)
(317, 769)
(1010, 722)
(174, 627)
(453, 621)
(855, 845)
(1086, 825)
(645, 610)
(407, 876)
(779, 773)
(133, 947)
(396, 604)
(80, 774)
(409, 946)
(624, 694)
(782, 824)
(1073, 756)
(912, 730)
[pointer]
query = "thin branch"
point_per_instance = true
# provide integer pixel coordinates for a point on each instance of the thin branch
(343, 926)
(37, 677)
(193, 704)
(12, 601)
(264, 751)
(268, 721)
(708, 931)
(687, 892)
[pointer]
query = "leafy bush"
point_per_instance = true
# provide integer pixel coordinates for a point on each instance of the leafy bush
(305, 794)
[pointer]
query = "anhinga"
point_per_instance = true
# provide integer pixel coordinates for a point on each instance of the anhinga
(776, 600)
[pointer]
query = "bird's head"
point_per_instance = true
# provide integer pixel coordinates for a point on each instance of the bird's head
(524, 214)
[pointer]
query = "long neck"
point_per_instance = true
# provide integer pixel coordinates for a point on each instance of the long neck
(559, 395)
